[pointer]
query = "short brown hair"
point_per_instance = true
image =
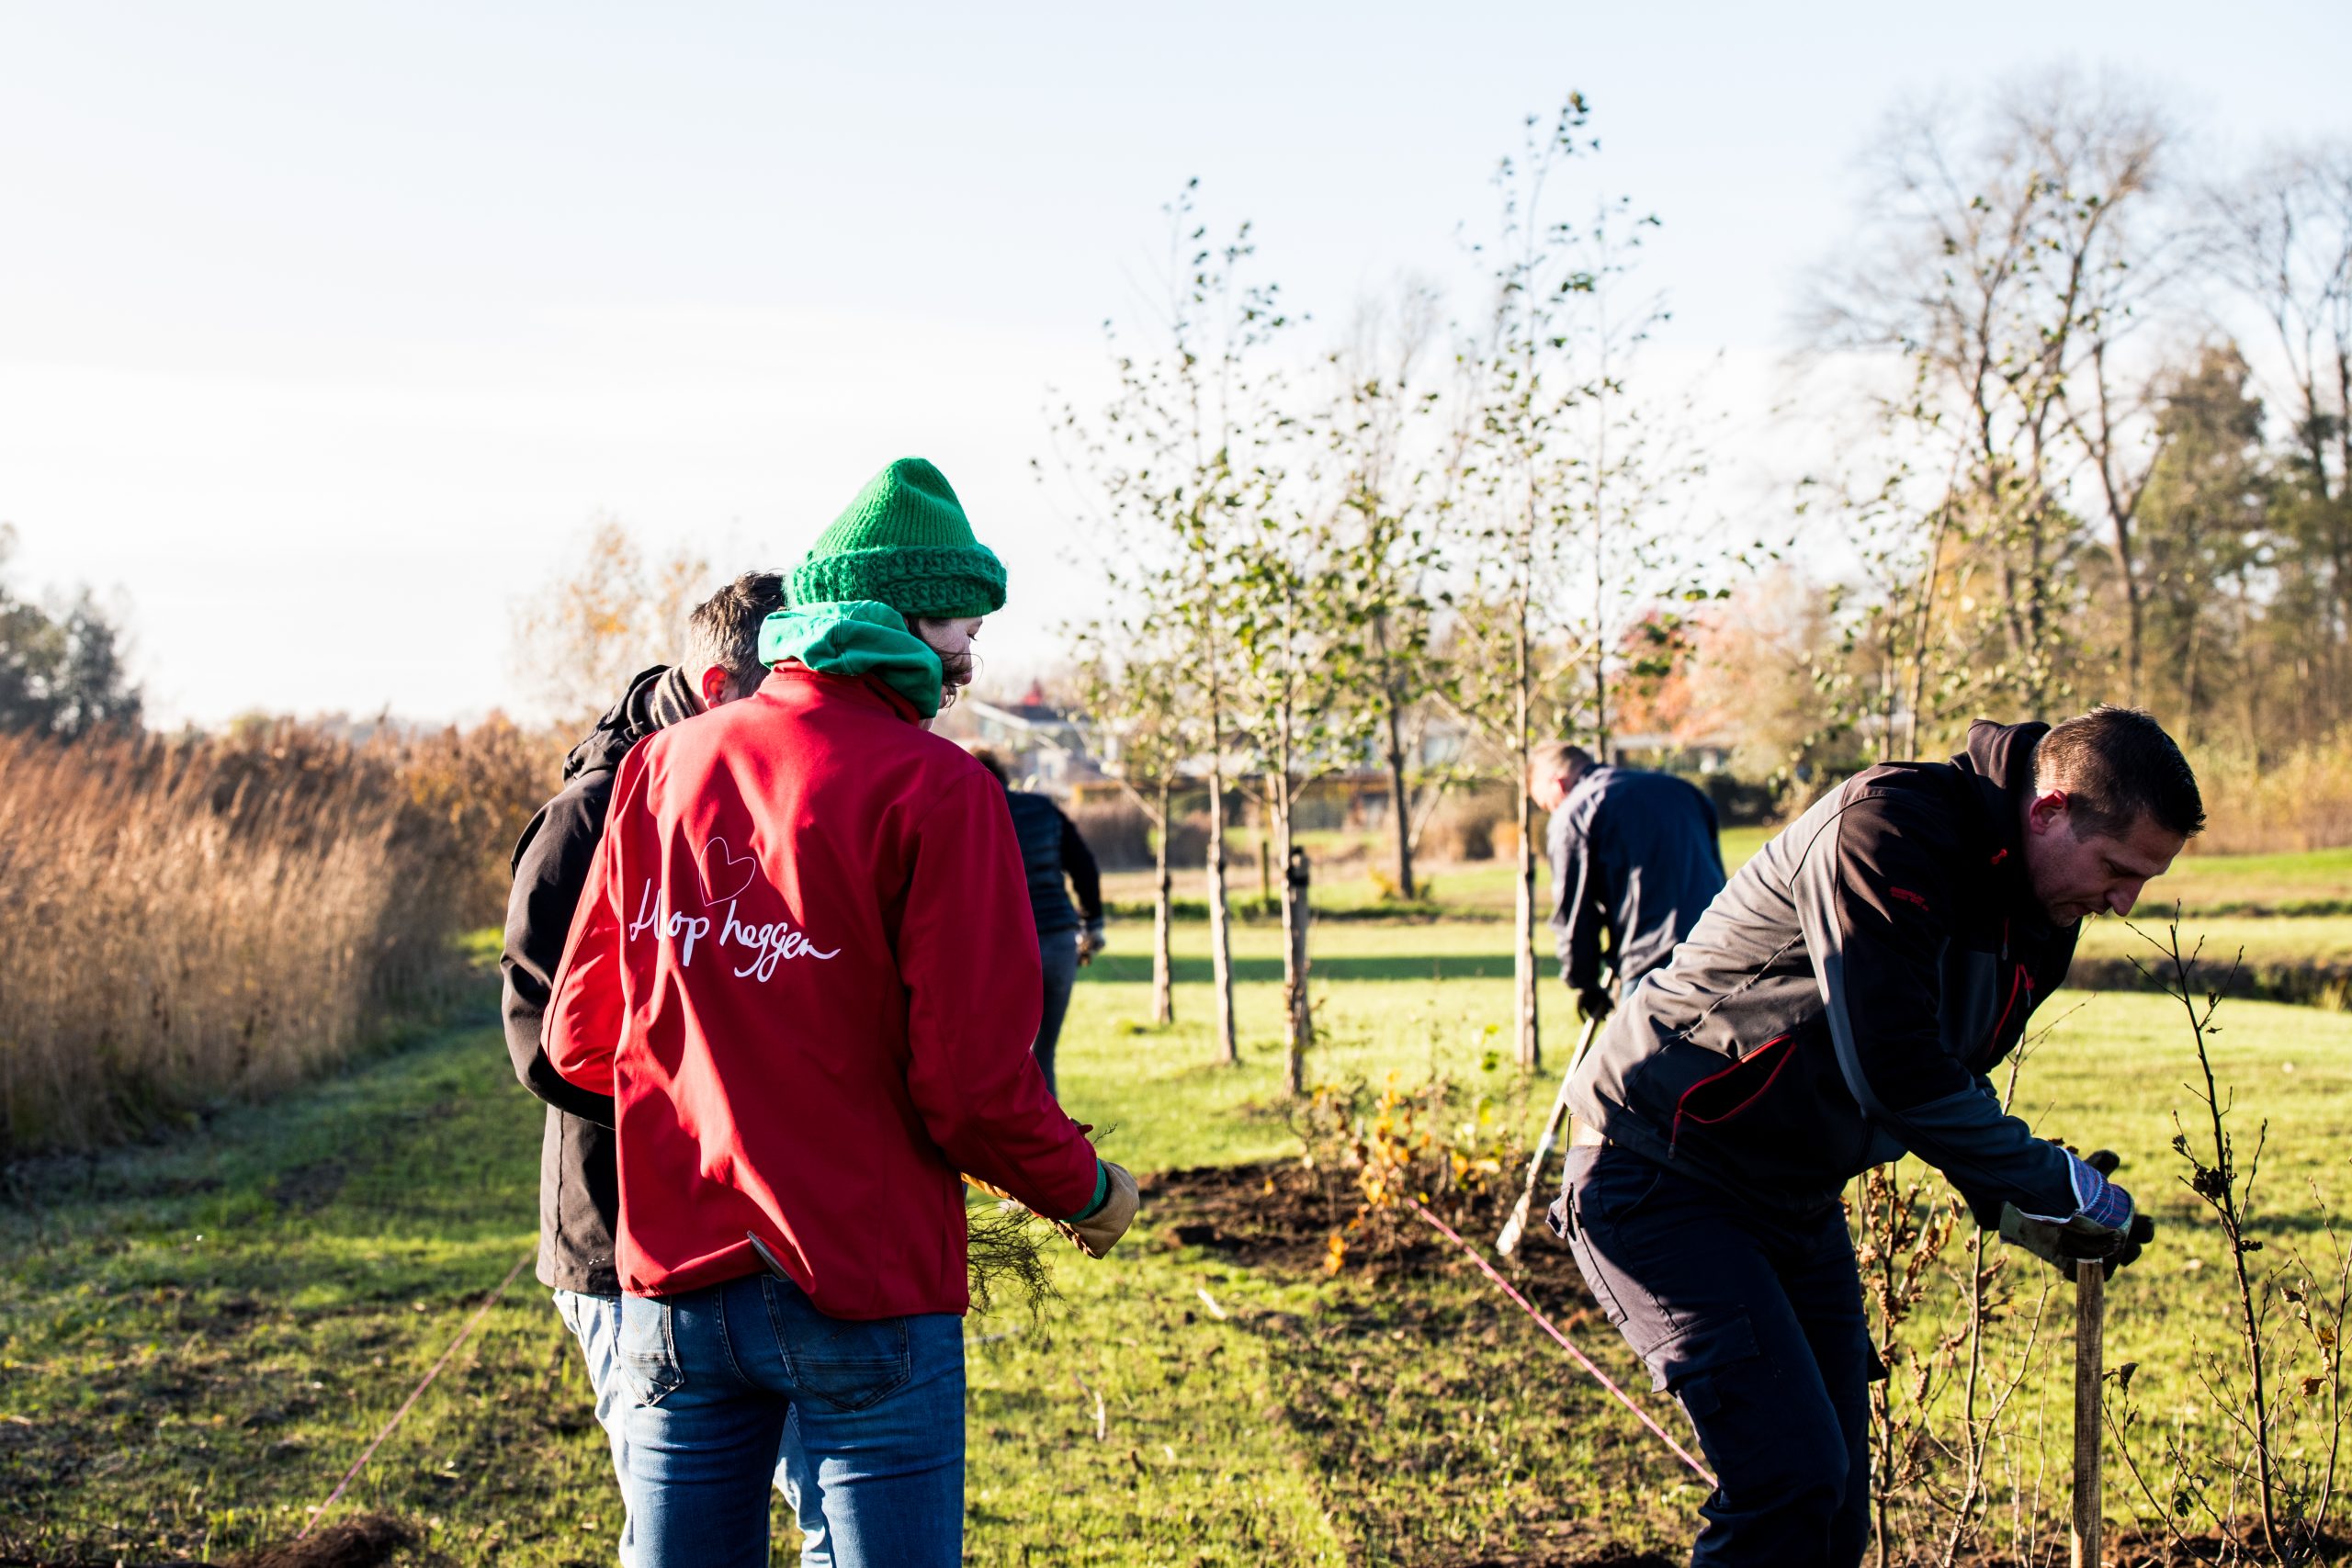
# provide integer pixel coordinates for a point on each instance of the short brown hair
(2118, 765)
(724, 630)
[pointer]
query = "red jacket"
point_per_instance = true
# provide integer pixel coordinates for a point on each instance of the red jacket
(804, 967)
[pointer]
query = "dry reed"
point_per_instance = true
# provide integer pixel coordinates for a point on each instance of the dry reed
(2299, 799)
(192, 919)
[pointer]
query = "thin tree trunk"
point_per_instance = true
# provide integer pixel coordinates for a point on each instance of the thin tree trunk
(1163, 990)
(1393, 738)
(1295, 1002)
(1400, 809)
(1220, 934)
(1529, 1032)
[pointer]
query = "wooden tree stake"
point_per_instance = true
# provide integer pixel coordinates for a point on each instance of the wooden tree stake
(2090, 1355)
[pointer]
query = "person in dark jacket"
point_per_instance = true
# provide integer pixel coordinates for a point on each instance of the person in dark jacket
(1840, 1004)
(1055, 856)
(1634, 856)
(579, 1189)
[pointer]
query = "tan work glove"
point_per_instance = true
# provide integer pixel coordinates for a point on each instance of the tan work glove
(1101, 1231)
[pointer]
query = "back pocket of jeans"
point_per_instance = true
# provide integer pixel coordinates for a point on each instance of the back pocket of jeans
(645, 1356)
(848, 1363)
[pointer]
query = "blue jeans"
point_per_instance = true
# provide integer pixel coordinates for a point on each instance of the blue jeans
(595, 1322)
(712, 1382)
(1057, 952)
(1753, 1321)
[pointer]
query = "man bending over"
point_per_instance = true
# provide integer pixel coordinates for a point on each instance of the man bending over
(1838, 1007)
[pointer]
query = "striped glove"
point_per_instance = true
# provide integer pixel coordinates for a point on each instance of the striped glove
(2104, 1226)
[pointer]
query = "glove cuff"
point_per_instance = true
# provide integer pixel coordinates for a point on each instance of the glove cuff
(1102, 1194)
(2096, 1199)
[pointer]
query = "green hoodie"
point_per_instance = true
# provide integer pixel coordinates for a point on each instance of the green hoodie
(855, 638)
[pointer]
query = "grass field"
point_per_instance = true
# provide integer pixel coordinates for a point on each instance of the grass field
(197, 1338)
(2306, 883)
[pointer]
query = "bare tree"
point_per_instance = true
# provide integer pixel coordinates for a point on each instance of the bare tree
(2002, 264)
(611, 613)
(2283, 241)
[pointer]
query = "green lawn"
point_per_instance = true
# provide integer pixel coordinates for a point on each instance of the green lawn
(2304, 884)
(197, 1338)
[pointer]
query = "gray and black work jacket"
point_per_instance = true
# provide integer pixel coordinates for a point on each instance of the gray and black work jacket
(1636, 854)
(1846, 997)
(579, 1186)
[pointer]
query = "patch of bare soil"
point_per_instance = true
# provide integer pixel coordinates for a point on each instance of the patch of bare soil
(1283, 1215)
(2139, 1549)
(1606, 1557)
(369, 1540)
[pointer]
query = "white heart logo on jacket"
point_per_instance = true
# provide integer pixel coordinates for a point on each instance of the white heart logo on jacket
(724, 873)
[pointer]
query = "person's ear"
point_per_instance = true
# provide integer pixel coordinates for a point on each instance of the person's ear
(2048, 808)
(713, 685)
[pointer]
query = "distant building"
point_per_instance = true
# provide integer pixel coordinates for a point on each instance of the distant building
(1672, 753)
(1042, 747)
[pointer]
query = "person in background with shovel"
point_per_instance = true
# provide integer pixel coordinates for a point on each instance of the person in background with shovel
(1838, 1005)
(1636, 858)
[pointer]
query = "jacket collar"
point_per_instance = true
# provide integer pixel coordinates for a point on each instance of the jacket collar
(656, 698)
(1998, 766)
(867, 690)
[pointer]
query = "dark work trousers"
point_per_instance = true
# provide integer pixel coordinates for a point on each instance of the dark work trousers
(1754, 1322)
(1058, 951)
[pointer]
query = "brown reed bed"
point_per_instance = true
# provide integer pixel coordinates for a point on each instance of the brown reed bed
(186, 919)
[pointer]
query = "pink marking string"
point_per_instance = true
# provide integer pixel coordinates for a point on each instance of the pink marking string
(415, 1394)
(1581, 1359)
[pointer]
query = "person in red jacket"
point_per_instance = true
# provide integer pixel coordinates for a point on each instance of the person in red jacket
(804, 968)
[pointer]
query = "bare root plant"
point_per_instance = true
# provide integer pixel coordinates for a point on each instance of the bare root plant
(1905, 1227)
(2266, 1496)
(1379, 1151)
(1941, 1414)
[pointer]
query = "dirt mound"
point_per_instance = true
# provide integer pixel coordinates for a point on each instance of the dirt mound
(367, 1541)
(1283, 1215)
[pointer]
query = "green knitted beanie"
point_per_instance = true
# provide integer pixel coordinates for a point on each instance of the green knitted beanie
(906, 542)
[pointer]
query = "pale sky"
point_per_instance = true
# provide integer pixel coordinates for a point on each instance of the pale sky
(326, 330)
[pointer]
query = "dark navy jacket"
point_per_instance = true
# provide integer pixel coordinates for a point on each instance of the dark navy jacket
(1050, 850)
(1634, 853)
(1844, 999)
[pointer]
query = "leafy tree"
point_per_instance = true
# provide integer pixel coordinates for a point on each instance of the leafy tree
(1554, 482)
(2207, 543)
(61, 673)
(1134, 691)
(1376, 429)
(1183, 457)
